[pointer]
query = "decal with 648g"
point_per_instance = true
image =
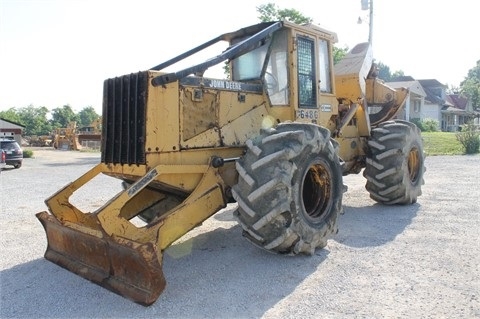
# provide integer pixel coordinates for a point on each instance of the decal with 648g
(307, 114)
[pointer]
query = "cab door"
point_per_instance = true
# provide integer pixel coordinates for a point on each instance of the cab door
(316, 100)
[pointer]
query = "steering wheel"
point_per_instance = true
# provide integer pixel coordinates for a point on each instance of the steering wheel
(271, 81)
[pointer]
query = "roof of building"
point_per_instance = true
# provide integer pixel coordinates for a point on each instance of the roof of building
(405, 78)
(459, 101)
(412, 86)
(454, 110)
(431, 87)
(433, 98)
(431, 83)
(8, 124)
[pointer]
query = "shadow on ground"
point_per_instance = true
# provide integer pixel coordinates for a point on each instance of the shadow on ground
(76, 161)
(374, 225)
(215, 274)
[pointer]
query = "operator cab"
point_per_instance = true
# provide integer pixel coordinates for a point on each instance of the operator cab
(307, 86)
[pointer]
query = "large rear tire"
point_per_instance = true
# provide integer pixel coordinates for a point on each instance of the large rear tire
(289, 191)
(395, 163)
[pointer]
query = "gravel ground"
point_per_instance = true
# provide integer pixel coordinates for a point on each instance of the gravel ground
(418, 261)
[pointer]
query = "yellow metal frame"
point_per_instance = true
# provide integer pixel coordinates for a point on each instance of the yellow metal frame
(106, 248)
(206, 199)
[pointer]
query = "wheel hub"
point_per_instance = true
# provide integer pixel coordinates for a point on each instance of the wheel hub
(413, 164)
(317, 192)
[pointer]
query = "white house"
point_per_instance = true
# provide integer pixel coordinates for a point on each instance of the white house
(461, 112)
(428, 99)
(414, 106)
(9, 129)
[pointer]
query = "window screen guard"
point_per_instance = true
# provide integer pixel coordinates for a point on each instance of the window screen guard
(307, 93)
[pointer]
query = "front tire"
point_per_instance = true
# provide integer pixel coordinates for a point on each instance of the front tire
(395, 163)
(289, 192)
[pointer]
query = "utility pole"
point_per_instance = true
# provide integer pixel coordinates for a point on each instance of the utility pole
(370, 23)
(368, 5)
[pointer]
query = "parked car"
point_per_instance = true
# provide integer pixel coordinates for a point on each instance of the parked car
(3, 157)
(13, 152)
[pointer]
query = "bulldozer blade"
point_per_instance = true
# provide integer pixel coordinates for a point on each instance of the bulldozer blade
(128, 268)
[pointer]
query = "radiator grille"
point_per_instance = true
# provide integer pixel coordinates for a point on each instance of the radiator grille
(123, 127)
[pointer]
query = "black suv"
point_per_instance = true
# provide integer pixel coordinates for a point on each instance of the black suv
(13, 152)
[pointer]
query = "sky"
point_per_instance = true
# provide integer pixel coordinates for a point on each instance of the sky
(58, 52)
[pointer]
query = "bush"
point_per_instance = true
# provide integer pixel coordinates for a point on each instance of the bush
(418, 123)
(426, 125)
(430, 125)
(469, 137)
(27, 153)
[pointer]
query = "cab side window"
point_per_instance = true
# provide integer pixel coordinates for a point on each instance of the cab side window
(324, 65)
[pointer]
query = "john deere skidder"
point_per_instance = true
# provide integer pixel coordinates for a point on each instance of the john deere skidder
(276, 137)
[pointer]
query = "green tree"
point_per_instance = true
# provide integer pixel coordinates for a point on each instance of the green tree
(271, 12)
(471, 85)
(451, 89)
(35, 120)
(10, 115)
(86, 116)
(397, 74)
(339, 53)
(62, 116)
(469, 137)
(384, 72)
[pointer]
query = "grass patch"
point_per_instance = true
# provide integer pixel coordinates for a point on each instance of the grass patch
(27, 153)
(441, 143)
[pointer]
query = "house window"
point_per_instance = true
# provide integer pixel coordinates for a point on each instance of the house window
(417, 106)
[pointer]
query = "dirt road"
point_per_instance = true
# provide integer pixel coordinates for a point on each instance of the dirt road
(419, 261)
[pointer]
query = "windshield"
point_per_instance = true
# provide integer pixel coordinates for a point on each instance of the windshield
(249, 66)
(276, 77)
(9, 145)
(271, 58)
(247, 52)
